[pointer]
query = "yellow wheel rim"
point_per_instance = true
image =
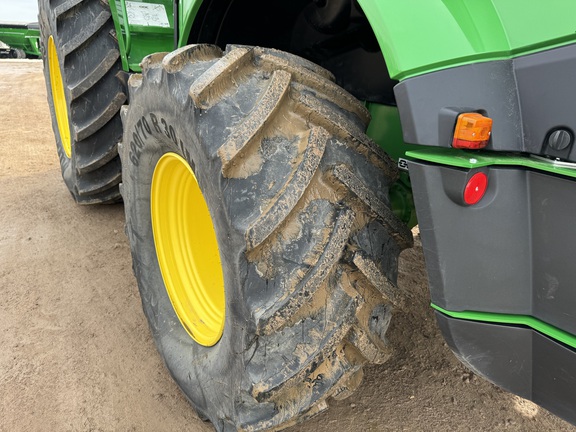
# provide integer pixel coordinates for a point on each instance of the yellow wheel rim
(187, 249)
(58, 97)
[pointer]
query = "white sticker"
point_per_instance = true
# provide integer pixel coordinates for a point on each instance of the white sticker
(147, 14)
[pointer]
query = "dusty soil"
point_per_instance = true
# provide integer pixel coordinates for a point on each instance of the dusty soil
(76, 354)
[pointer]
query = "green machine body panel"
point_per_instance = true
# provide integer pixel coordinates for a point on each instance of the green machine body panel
(143, 28)
(479, 159)
(140, 36)
(415, 36)
(25, 37)
(188, 11)
(421, 36)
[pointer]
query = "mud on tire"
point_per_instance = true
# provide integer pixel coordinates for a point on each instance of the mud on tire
(89, 59)
(298, 196)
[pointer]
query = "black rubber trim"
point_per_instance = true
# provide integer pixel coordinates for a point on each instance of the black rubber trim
(518, 359)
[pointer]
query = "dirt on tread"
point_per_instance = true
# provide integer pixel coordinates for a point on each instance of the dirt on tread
(300, 186)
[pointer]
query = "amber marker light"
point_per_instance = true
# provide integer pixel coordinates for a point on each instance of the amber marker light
(472, 131)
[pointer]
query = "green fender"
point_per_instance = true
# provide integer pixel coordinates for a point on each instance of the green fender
(416, 36)
(421, 36)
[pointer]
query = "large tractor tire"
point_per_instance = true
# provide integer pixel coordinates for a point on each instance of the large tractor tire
(85, 94)
(261, 235)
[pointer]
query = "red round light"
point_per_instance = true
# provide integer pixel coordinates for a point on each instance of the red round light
(475, 188)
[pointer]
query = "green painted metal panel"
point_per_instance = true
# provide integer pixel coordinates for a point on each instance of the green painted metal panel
(143, 27)
(188, 10)
(473, 159)
(523, 320)
(138, 41)
(416, 36)
(386, 130)
(421, 36)
(21, 37)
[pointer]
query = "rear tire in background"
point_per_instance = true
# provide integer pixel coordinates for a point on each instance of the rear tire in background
(306, 245)
(17, 53)
(85, 94)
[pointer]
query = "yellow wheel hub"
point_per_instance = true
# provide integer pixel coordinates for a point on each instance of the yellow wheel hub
(187, 249)
(58, 97)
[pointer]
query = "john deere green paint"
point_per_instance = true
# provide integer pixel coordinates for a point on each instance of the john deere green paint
(21, 40)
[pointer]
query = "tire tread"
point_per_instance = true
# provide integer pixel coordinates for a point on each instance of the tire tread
(84, 29)
(325, 313)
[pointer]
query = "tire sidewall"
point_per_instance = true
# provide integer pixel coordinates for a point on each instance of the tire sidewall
(194, 367)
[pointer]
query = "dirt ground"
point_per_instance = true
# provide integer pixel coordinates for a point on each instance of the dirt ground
(76, 354)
